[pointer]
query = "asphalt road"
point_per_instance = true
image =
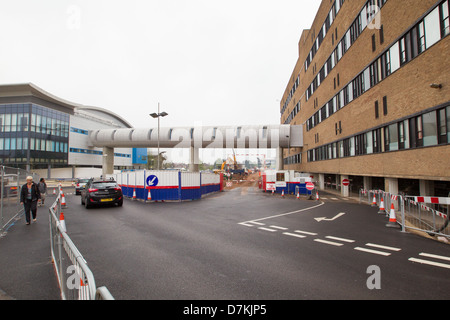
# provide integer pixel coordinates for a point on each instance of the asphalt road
(247, 245)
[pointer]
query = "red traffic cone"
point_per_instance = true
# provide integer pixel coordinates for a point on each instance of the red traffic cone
(317, 195)
(374, 201)
(273, 192)
(134, 194)
(382, 209)
(282, 193)
(63, 200)
(62, 223)
(54, 191)
(149, 196)
(392, 219)
(298, 195)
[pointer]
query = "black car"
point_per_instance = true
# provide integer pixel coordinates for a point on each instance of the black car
(101, 192)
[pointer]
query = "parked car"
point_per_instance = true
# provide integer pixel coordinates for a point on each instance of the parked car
(79, 185)
(101, 192)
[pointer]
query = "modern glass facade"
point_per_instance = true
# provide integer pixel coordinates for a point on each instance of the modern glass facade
(33, 135)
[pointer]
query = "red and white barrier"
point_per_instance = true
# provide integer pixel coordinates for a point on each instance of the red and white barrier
(434, 200)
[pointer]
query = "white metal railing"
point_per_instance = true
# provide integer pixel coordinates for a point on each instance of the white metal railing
(75, 279)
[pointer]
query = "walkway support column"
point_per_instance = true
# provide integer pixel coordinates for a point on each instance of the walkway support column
(194, 159)
(108, 161)
(279, 159)
(345, 192)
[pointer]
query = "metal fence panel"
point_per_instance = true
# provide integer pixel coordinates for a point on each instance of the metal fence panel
(11, 182)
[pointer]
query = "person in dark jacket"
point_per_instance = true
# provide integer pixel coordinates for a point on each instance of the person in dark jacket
(29, 196)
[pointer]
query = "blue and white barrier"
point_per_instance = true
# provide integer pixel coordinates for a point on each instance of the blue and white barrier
(168, 185)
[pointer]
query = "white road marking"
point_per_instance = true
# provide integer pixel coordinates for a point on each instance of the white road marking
(267, 229)
(245, 224)
(308, 233)
(335, 199)
(288, 213)
(434, 256)
(258, 223)
(432, 263)
(381, 253)
(294, 235)
(382, 247)
(340, 239)
(329, 242)
(277, 227)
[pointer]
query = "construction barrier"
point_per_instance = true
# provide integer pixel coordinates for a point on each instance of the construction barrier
(75, 279)
(426, 214)
(168, 185)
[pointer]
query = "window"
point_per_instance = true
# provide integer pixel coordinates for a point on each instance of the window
(445, 23)
(421, 36)
(377, 114)
(442, 121)
(381, 34)
(394, 57)
(385, 108)
(429, 129)
(374, 46)
(403, 135)
(368, 142)
(432, 28)
(280, 176)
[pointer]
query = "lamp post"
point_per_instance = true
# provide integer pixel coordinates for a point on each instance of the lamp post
(158, 115)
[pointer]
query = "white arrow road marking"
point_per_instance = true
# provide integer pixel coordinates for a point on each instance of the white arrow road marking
(332, 219)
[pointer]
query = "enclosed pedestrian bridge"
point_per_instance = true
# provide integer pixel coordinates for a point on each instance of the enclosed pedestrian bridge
(217, 137)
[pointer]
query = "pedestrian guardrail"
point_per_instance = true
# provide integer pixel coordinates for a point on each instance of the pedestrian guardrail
(426, 214)
(11, 180)
(76, 280)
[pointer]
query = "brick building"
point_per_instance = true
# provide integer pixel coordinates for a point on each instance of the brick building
(371, 87)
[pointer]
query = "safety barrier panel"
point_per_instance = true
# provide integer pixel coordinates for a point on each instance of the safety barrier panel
(167, 185)
(75, 279)
(426, 214)
(11, 180)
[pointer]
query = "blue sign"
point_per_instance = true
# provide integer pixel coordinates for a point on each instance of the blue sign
(152, 181)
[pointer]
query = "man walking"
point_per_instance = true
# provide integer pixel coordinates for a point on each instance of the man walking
(42, 190)
(29, 196)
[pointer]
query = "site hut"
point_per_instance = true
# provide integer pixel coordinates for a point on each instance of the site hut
(371, 86)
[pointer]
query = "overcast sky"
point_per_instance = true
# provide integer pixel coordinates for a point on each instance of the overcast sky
(208, 61)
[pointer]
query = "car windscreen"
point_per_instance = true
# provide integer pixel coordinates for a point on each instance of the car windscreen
(104, 185)
(83, 181)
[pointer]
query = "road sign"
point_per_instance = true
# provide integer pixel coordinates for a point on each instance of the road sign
(310, 186)
(152, 181)
(271, 186)
(345, 182)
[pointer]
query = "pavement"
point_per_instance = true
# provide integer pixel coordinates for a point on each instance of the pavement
(26, 268)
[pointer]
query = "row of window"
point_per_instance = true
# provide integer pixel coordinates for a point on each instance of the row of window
(19, 122)
(428, 129)
(322, 33)
(293, 113)
(21, 143)
(422, 36)
(80, 131)
(364, 18)
(295, 159)
(98, 153)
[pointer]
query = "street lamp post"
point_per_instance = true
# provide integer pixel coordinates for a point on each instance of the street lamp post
(158, 115)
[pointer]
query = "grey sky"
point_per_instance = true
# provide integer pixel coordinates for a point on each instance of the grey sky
(218, 63)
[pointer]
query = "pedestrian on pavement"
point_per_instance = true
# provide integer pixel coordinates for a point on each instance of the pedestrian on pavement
(42, 189)
(29, 196)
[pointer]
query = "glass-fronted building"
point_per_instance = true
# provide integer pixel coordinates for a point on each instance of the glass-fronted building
(41, 131)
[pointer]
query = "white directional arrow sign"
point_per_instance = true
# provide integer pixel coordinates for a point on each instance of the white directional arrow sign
(332, 219)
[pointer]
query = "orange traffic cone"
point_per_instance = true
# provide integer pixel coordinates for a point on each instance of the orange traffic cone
(149, 196)
(63, 200)
(382, 209)
(374, 201)
(317, 195)
(282, 193)
(54, 191)
(273, 192)
(298, 195)
(392, 219)
(134, 194)
(62, 223)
